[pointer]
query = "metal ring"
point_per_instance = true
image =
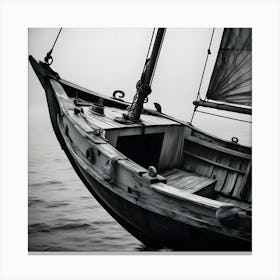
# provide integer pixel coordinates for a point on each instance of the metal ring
(51, 60)
(234, 140)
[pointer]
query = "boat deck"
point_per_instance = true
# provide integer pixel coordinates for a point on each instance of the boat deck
(108, 122)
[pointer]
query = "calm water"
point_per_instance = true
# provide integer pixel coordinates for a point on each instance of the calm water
(62, 214)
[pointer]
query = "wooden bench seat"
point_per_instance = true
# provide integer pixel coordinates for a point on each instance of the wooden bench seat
(231, 168)
(188, 181)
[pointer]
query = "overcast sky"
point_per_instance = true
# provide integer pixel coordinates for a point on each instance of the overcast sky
(106, 59)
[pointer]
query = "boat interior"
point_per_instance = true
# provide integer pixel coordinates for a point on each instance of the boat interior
(187, 158)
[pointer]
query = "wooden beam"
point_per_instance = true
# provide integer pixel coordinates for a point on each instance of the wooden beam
(218, 147)
(224, 107)
(215, 163)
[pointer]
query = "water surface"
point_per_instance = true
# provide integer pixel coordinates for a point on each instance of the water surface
(62, 214)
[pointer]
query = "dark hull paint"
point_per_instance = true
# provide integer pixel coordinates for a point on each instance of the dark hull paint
(154, 230)
(158, 231)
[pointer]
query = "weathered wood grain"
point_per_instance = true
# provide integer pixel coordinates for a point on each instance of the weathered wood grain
(186, 181)
(243, 205)
(172, 147)
(224, 163)
(218, 147)
(237, 192)
(230, 181)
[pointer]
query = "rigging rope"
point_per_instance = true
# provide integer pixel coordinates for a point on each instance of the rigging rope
(203, 72)
(48, 59)
(225, 117)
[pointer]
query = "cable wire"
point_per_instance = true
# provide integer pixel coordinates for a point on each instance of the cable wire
(225, 117)
(203, 72)
(48, 58)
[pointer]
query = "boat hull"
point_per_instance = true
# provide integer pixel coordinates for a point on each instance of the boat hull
(157, 231)
(152, 229)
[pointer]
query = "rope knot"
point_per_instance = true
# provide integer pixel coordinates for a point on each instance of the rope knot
(48, 58)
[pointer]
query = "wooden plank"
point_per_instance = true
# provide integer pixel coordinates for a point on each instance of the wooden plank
(200, 166)
(247, 187)
(222, 164)
(112, 113)
(213, 157)
(203, 166)
(184, 195)
(221, 172)
(238, 190)
(231, 177)
(110, 151)
(218, 147)
(208, 167)
(112, 138)
(169, 172)
(132, 166)
(95, 122)
(172, 147)
(107, 119)
(101, 121)
(80, 122)
(158, 120)
(186, 181)
(203, 184)
(175, 173)
(208, 137)
(243, 205)
(146, 120)
(189, 163)
(237, 186)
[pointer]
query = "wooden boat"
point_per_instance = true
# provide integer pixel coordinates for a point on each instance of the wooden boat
(166, 182)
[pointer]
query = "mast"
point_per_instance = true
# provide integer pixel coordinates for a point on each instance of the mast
(143, 86)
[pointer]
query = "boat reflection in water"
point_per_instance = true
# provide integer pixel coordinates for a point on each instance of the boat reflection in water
(168, 183)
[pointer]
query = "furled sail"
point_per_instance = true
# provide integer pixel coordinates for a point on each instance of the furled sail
(231, 80)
